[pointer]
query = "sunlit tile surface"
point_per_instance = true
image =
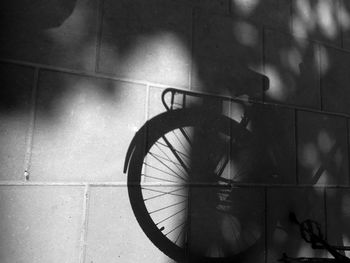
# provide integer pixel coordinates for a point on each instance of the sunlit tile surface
(82, 134)
(40, 224)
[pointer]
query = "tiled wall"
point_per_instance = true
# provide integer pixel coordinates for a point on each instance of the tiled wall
(76, 83)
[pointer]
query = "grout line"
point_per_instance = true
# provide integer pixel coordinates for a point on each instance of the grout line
(100, 15)
(263, 66)
(296, 138)
(85, 222)
(162, 86)
(191, 70)
(291, 14)
(348, 149)
(147, 103)
(325, 212)
(88, 73)
(31, 124)
(320, 70)
(339, 9)
(123, 184)
(265, 224)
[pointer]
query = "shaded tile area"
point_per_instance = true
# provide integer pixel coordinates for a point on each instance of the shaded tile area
(335, 79)
(83, 127)
(344, 21)
(216, 6)
(276, 14)
(16, 86)
(121, 239)
(228, 56)
(338, 214)
(292, 67)
(148, 41)
(267, 153)
(322, 149)
(44, 222)
(53, 33)
(318, 20)
(227, 223)
(284, 236)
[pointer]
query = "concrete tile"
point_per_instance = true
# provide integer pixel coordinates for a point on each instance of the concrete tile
(267, 154)
(226, 39)
(113, 232)
(269, 13)
(317, 20)
(282, 235)
(16, 85)
(146, 41)
(292, 66)
(68, 41)
(43, 221)
(338, 213)
(322, 149)
(227, 221)
(83, 127)
(334, 88)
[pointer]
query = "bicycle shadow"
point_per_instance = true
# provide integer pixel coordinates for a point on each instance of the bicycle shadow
(269, 158)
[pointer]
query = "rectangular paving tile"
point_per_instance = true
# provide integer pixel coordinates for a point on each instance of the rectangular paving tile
(292, 67)
(322, 149)
(114, 234)
(16, 86)
(282, 235)
(66, 37)
(335, 79)
(147, 41)
(224, 38)
(83, 127)
(226, 222)
(276, 14)
(338, 207)
(40, 223)
(317, 20)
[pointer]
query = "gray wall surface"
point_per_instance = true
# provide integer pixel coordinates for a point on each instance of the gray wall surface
(78, 78)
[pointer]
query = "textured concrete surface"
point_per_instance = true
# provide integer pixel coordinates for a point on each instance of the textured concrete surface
(334, 81)
(322, 149)
(114, 234)
(16, 87)
(338, 203)
(318, 19)
(282, 235)
(78, 78)
(84, 134)
(62, 35)
(292, 69)
(40, 224)
(135, 46)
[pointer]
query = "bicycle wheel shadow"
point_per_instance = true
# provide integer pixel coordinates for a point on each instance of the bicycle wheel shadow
(239, 214)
